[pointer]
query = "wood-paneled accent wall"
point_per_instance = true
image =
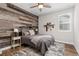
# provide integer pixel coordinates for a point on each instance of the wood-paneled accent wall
(17, 17)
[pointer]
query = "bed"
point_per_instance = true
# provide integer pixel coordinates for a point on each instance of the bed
(40, 41)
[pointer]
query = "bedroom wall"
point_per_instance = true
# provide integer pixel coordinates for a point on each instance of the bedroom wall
(65, 37)
(76, 27)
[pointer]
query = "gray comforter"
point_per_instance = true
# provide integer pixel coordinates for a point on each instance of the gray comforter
(41, 42)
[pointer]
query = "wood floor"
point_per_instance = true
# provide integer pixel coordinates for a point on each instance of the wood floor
(69, 51)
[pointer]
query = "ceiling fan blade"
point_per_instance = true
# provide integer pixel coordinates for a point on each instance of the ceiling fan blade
(34, 6)
(47, 6)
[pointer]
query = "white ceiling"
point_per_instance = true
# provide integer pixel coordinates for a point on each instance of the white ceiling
(55, 7)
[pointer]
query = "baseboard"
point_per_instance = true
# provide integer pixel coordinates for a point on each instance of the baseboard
(64, 42)
(76, 49)
(2, 49)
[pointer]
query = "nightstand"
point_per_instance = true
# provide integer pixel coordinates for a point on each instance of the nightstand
(16, 41)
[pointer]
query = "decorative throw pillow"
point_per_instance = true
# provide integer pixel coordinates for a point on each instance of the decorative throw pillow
(32, 32)
(27, 33)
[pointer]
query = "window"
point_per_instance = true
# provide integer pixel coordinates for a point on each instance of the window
(65, 22)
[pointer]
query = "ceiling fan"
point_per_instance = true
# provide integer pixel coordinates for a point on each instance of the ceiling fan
(41, 6)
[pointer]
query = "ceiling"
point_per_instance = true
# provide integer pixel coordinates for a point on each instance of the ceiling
(55, 7)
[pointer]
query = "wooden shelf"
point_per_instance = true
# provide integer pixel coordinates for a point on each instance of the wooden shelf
(16, 38)
(15, 45)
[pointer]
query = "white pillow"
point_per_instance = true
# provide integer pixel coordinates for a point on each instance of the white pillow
(26, 33)
(31, 32)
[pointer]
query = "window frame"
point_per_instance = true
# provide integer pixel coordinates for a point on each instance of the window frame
(69, 22)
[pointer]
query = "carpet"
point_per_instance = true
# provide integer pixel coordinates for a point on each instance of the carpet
(54, 50)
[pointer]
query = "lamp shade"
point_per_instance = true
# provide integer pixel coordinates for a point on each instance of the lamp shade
(36, 29)
(16, 30)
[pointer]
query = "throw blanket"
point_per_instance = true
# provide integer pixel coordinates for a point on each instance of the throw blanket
(41, 42)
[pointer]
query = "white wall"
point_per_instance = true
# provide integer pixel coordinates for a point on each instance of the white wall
(76, 27)
(66, 37)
